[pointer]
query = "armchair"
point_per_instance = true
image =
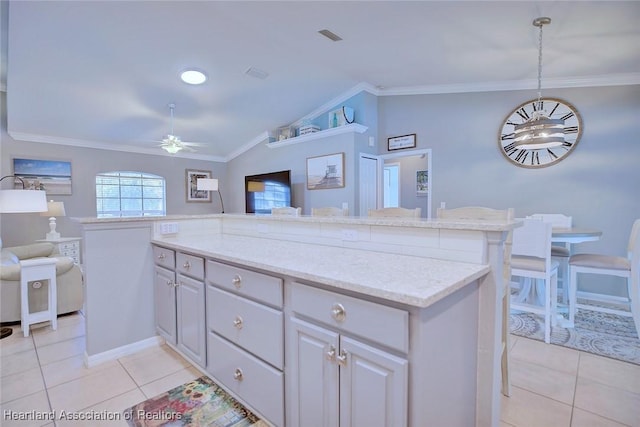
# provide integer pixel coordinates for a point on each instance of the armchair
(69, 279)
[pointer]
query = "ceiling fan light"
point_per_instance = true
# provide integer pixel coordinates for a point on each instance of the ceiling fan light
(172, 148)
(193, 77)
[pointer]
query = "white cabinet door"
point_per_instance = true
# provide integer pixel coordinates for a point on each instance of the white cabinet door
(191, 318)
(165, 303)
(373, 386)
(313, 377)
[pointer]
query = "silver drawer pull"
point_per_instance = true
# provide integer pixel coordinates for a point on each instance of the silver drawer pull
(338, 312)
(237, 375)
(331, 354)
(186, 265)
(162, 256)
(237, 281)
(237, 323)
(342, 358)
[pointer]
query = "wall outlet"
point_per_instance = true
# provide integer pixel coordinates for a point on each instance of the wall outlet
(168, 228)
(349, 234)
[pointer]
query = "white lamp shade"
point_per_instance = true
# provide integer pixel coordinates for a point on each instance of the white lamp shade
(22, 201)
(54, 209)
(255, 186)
(207, 184)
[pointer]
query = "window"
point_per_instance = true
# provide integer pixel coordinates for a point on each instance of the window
(129, 194)
(275, 195)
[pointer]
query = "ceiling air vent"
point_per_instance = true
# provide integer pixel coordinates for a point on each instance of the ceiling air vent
(331, 36)
(257, 73)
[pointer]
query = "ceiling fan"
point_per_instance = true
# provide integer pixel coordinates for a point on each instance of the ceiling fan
(172, 143)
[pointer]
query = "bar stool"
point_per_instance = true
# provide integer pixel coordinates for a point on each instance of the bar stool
(35, 271)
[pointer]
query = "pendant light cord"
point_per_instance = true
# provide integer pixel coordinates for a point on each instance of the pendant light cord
(540, 68)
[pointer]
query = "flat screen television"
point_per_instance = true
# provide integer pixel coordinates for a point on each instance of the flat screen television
(266, 191)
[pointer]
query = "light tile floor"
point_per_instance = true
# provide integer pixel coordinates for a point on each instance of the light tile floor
(551, 385)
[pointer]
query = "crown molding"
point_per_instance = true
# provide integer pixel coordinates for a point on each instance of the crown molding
(548, 83)
(46, 139)
(249, 145)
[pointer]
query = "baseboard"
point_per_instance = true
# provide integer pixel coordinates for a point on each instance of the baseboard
(125, 350)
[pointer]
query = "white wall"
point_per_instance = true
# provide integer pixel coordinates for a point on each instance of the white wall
(85, 164)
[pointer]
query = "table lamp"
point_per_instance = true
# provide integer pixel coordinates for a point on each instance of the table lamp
(210, 184)
(20, 201)
(54, 209)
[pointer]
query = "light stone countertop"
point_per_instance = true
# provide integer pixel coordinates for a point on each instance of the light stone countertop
(415, 281)
(479, 225)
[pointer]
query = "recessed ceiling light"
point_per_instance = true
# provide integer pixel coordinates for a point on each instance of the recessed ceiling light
(193, 77)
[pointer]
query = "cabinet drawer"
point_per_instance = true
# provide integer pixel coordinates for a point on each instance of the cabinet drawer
(253, 381)
(164, 257)
(385, 325)
(190, 265)
(68, 246)
(257, 286)
(253, 326)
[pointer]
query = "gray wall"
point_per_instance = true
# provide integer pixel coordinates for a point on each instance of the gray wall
(597, 184)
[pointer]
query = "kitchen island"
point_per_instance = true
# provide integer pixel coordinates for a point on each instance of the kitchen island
(415, 305)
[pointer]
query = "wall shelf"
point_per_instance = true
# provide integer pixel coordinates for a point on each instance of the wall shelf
(353, 127)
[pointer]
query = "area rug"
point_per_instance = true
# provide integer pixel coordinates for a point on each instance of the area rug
(599, 333)
(197, 403)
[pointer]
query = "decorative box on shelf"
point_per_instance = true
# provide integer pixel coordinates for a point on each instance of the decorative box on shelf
(306, 129)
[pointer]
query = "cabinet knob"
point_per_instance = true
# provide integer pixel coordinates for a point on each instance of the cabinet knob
(237, 375)
(162, 256)
(186, 265)
(170, 283)
(176, 284)
(331, 354)
(237, 323)
(338, 312)
(237, 281)
(342, 358)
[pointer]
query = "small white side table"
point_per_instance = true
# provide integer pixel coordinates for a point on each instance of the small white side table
(35, 271)
(67, 246)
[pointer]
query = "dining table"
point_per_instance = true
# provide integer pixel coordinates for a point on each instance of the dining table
(572, 235)
(568, 237)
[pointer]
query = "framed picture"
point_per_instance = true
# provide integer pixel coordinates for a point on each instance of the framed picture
(193, 194)
(52, 176)
(324, 172)
(401, 142)
(422, 183)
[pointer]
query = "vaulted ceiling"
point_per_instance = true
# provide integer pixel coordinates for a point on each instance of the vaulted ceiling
(102, 73)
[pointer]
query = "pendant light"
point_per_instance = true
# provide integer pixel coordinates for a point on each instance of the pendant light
(540, 131)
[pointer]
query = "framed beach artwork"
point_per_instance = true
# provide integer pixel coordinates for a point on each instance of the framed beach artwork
(325, 172)
(422, 183)
(193, 194)
(52, 176)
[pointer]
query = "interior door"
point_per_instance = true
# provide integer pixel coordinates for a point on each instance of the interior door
(369, 187)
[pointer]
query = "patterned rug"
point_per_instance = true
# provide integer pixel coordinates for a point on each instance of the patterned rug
(197, 403)
(603, 334)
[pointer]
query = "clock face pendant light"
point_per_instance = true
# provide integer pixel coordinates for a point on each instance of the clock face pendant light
(542, 131)
(539, 131)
